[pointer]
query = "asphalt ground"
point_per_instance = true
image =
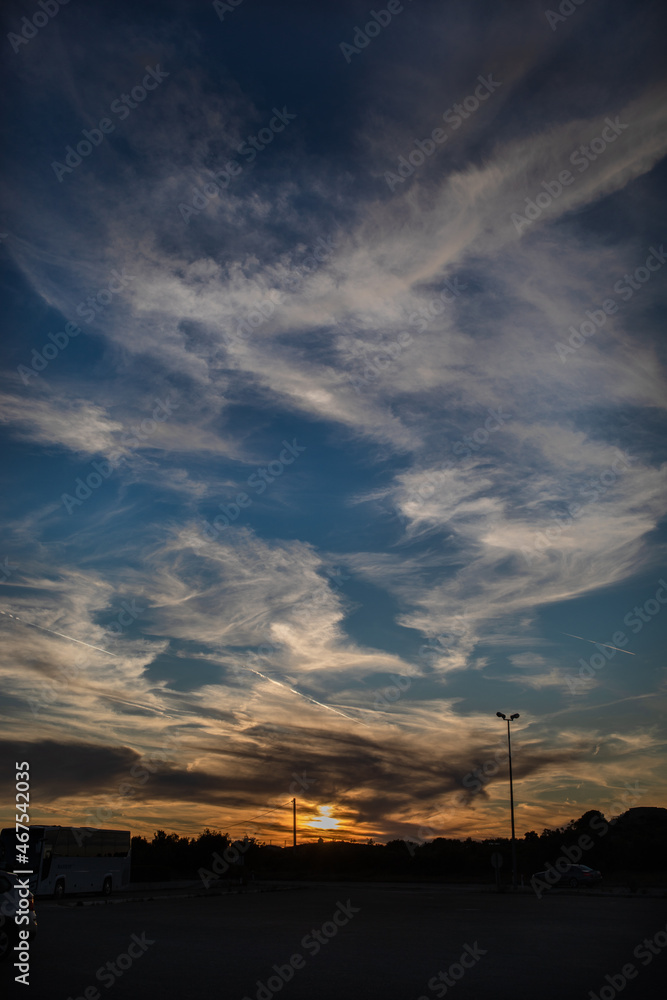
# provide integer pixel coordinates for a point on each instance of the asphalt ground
(354, 940)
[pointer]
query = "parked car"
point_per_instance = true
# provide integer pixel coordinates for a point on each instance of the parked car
(573, 875)
(10, 910)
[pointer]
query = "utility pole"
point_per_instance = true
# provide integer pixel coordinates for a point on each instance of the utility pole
(294, 822)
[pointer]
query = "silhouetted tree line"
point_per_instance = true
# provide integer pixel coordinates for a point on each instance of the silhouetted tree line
(633, 842)
(169, 856)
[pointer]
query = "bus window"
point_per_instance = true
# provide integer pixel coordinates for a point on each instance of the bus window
(65, 845)
(46, 861)
(94, 844)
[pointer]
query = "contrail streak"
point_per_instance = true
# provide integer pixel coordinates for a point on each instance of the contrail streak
(306, 697)
(599, 643)
(61, 634)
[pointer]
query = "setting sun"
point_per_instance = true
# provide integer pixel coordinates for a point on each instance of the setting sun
(324, 821)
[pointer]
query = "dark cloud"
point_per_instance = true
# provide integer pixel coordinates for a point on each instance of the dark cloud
(64, 769)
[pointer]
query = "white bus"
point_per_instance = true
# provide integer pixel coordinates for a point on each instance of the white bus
(70, 859)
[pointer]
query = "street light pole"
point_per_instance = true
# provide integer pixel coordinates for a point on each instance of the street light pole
(501, 715)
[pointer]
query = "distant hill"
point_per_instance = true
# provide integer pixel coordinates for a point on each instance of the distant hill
(646, 814)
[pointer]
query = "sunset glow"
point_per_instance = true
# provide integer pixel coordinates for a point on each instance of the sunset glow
(324, 821)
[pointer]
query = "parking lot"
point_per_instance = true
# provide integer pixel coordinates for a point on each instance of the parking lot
(352, 940)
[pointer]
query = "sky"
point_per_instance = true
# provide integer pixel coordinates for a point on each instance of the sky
(333, 406)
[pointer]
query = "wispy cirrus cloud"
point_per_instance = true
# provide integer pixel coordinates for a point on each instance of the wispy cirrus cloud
(273, 314)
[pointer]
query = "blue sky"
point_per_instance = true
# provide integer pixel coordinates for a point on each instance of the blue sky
(332, 399)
